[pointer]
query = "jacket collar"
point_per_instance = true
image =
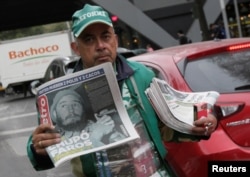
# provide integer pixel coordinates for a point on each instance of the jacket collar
(122, 68)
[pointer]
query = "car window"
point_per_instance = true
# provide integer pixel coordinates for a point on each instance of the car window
(225, 72)
(54, 70)
(157, 73)
(71, 66)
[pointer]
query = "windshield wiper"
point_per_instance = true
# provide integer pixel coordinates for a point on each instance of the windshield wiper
(243, 87)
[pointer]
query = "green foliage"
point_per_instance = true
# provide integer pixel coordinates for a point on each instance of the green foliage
(35, 30)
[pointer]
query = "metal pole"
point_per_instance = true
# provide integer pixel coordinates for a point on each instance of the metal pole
(224, 15)
(237, 18)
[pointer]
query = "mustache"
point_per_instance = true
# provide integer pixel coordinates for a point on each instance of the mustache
(72, 115)
(102, 54)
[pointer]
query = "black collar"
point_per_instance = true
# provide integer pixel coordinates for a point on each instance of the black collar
(122, 68)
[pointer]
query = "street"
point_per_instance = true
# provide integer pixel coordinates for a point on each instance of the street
(17, 121)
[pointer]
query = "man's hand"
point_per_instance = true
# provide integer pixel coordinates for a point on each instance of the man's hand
(205, 125)
(44, 136)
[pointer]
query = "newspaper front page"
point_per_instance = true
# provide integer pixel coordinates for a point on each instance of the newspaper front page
(177, 109)
(86, 108)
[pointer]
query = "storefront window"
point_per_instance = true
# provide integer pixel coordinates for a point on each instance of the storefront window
(244, 13)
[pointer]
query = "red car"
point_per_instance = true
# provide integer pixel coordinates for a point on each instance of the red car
(222, 66)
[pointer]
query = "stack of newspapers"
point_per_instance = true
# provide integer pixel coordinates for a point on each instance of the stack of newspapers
(178, 109)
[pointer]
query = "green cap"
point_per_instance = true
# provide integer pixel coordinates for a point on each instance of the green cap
(87, 16)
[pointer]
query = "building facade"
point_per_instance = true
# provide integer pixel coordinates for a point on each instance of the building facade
(145, 21)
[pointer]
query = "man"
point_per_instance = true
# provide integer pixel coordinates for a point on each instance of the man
(183, 39)
(217, 31)
(68, 113)
(71, 116)
(96, 43)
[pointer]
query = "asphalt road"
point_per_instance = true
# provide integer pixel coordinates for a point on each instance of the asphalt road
(17, 121)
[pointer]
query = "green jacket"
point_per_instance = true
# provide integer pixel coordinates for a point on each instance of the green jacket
(137, 77)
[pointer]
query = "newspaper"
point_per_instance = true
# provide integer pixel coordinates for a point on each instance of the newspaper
(86, 108)
(177, 109)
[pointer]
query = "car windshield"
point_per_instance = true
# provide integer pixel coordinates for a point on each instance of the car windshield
(225, 72)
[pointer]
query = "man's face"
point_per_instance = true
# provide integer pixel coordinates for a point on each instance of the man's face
(69, 110)
(97, 44)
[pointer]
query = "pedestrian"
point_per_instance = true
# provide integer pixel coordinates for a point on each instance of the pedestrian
(2, 91)
(217, 31)
(149, 48)
(183, 39)
(96, 43)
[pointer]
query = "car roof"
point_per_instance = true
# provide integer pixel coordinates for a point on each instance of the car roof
(180, 52)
